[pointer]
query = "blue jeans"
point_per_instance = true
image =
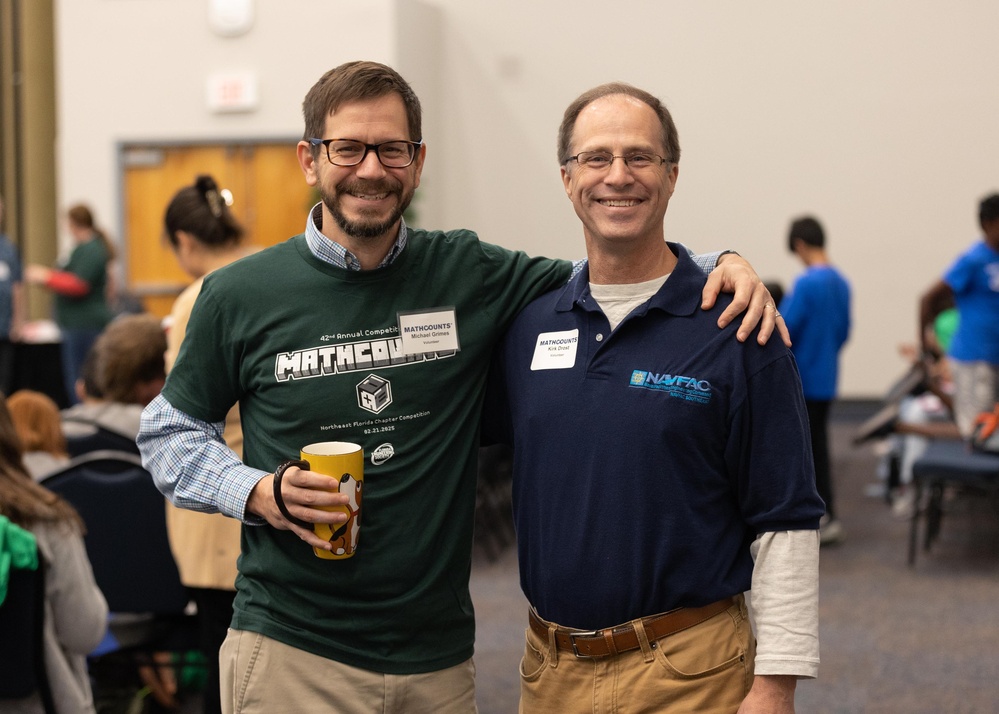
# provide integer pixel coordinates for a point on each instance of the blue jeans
(76, 343)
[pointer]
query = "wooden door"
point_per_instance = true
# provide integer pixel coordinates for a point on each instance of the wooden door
(270, 199)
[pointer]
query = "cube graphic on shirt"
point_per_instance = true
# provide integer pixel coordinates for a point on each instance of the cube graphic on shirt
(374, 393)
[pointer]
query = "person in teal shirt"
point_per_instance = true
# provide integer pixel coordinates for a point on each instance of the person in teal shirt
(80, 287)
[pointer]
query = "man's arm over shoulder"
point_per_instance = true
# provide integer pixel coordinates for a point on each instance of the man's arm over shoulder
(728, 272)
(512, 279)
(191, 464)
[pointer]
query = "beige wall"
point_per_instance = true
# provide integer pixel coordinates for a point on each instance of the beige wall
(876, 115)
(136, 70)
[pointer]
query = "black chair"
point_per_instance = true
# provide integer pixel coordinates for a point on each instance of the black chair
(22, 652)
(127, 543)
(947, 465)
(126, 535)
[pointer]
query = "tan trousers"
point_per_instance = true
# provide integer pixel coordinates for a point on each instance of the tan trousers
(263, 676)
(706, 669)
(976, 390)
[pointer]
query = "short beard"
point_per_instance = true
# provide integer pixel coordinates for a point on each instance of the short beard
(361, 229)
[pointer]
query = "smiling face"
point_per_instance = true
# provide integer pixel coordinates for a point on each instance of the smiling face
(619, 205)
(363, 203)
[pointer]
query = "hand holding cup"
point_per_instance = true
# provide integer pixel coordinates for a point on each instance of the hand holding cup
(308, 498)
(344, 462)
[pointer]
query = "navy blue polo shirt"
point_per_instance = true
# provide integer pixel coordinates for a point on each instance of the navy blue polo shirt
(647, 459)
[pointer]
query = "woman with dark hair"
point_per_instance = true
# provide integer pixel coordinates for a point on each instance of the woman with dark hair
(80, 286)
(75, 610)
(204, 236)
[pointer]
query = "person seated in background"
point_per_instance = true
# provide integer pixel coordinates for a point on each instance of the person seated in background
(917, 408)
(124, 370)
(75, 609)
(928, 411)
(925, 413)
(130, 359)
(39, 427)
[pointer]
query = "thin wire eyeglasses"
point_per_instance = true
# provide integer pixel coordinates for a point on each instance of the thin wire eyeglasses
(602, 160)
(347, 152)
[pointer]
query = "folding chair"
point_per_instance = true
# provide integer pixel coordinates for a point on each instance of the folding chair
(947, 464)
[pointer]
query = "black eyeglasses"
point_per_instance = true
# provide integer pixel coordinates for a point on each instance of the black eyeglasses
(347, 152)
(602, 160)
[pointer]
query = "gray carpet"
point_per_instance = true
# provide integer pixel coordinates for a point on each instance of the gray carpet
(893, 638)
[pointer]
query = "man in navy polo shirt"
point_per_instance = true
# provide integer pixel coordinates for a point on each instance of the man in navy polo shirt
(661, 467)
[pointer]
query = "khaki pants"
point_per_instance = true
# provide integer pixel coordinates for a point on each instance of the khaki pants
(976, 390)
(263, 676)
(706, 669)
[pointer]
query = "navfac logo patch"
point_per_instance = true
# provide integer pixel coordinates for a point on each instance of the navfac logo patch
(687, 388)
(374, 393)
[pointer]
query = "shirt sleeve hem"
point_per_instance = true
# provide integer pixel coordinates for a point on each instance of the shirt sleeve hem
(239, 481)
(801, 668)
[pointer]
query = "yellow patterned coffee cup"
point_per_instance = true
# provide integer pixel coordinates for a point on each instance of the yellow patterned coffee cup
(343, 461)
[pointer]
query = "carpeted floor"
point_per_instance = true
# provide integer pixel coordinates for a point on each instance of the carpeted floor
(894, 638)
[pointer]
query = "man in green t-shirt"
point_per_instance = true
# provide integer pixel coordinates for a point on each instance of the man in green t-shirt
(310, 338)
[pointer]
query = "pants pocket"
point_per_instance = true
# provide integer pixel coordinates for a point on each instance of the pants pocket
(535, 658)
(721, 643)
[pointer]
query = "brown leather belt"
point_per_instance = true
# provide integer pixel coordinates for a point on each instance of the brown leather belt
(600, 643)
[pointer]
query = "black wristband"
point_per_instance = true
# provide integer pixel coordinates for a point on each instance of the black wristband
(278, 499)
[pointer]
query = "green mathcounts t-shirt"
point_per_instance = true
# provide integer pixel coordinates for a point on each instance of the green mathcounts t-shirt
(312, 353)
(89, 262)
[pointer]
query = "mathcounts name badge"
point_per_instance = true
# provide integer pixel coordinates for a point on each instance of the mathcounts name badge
(428, 331)
(555, 350)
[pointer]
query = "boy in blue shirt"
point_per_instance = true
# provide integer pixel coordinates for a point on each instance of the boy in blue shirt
(817, 313)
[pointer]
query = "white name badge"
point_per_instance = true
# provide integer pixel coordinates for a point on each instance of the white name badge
(428, 331)
(555, 350)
